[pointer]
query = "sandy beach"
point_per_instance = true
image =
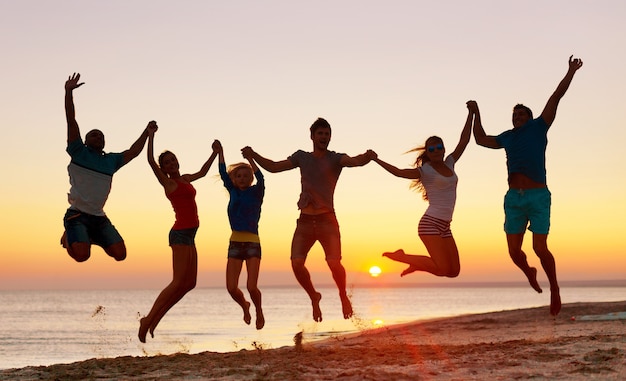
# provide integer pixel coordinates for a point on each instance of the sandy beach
(586, 341)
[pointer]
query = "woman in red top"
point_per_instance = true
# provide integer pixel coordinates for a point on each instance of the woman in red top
(181, 193)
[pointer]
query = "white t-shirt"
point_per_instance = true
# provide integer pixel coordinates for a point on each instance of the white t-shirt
(441, 190)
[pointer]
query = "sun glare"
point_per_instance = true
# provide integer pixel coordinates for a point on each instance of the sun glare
(375, 271)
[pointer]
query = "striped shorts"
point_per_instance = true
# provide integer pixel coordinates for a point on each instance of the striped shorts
(434, 226)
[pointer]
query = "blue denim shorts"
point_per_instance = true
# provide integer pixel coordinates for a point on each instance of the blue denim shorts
(244, 250)
(311, 228)
(522, 206)
(183, 237)
(96, 230)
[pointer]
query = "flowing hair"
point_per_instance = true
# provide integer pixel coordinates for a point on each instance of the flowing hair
(420, 160)
(233, 168)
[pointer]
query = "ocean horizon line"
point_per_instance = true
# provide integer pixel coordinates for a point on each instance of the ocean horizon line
(463, 284)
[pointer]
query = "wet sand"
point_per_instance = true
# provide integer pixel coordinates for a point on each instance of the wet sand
(586, 341)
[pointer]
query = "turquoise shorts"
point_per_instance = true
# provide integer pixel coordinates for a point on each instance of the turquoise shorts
(522, 206)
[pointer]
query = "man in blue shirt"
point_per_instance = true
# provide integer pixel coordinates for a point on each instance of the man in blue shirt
(528, 198)
(91, 172)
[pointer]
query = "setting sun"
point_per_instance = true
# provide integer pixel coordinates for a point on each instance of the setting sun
(375, 271)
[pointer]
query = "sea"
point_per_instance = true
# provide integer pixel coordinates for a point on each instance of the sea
(56, 326)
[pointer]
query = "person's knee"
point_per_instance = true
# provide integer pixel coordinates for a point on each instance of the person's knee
(297, 264)
(253, 290)
(541, 248)
(190, 285)
(80, 257)
(79, 251)
(117, 251)
(232, 288)
(334, 263)
(453, 272)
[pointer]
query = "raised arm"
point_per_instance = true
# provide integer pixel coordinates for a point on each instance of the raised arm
(217, 147)
(408, 173)
(137, 146)
(549, 111)
(207, 165)
(267, 164)
(251, 160)
(160, 175)
(480, 136)
(356, 161)
(73, 132)
(466, 132)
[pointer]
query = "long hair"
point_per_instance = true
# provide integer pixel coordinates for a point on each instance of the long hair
(234, 168)
(420, 160)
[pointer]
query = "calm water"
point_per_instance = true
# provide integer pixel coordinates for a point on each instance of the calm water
(49, 327)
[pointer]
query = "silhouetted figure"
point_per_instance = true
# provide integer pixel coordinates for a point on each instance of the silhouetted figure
(528, 198)
(319, 172)
(244, 212)
(91, 173)
(433, 174)
(182, 195)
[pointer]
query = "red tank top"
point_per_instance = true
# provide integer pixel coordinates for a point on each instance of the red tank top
(183, 200)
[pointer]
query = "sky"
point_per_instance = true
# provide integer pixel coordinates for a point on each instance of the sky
(386, 75)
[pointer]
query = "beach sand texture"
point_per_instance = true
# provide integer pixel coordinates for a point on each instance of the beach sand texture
(525, 344)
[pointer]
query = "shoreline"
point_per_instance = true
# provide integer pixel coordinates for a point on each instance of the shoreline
(511, 344)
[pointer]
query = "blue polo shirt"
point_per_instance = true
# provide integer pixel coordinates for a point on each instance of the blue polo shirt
(525, 148)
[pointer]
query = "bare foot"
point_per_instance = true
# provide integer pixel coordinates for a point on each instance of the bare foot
(408, 270)
(532, 279)
(246, 313)
(143, 330)
(260, 319)
(555, 302)
(397, 255)
(346, 307)
(315, 302)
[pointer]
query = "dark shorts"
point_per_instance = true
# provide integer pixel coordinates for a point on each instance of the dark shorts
(96, 230)
(311, 228)
(183, 237)
(244, 250)
(522, 206)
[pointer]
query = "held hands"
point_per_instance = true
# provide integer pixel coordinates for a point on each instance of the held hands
(72, 82)
(575, 64)
(247, 152)
(371, 155)
(472, 106)
(152, 128)
(217, 146)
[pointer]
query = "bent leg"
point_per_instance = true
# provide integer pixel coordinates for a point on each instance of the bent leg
(117, 251)
(185, 272)
(233, 270)
(514, 242)
(80, 251)
(75, 238)
(443, 258)
(540, 246)
(253, 265)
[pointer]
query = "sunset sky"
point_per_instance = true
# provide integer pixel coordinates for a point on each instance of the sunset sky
(385, 74)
